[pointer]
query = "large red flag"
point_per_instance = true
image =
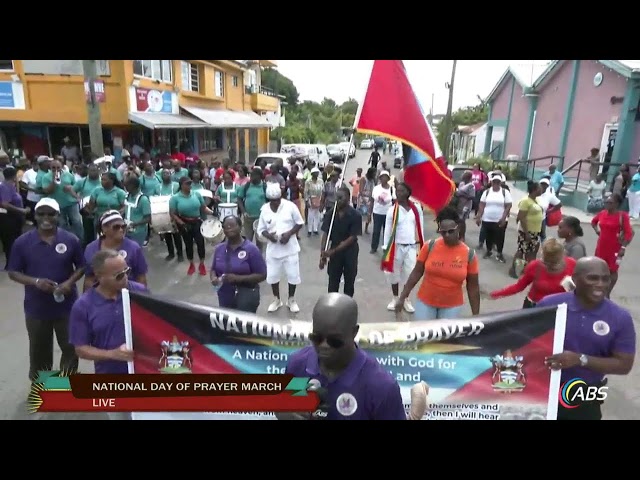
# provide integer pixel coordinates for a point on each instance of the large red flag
(391, 109)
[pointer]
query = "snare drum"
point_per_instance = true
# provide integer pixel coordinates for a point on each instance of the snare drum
(211, 230)
(160, 218)
(227, 209)
(207, 195)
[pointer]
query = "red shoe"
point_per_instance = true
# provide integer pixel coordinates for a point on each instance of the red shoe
(192, 269)
(202, 270)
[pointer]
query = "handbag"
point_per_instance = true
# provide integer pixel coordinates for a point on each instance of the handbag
(246, 297)
(554, 217)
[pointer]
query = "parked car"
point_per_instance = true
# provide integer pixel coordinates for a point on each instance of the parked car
(350, 147)
(366, 144)
(316, 152)
(269, 158)
(336, 154)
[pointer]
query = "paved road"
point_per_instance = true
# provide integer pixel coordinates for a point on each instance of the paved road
(372, 295)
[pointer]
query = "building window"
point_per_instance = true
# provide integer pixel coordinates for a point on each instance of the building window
(62, 67)
(234, 80)
(210, 139)
(159, 70)
(219, 83)
(6, 65)
(190, 77)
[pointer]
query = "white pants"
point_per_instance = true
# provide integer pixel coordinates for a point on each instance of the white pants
(313, 221)
(634, 204)
(404, 262)
(289, 265)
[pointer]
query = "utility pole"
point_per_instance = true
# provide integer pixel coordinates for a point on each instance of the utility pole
(93, 108)
(448, 126)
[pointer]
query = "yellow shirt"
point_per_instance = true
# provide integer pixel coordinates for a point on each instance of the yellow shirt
(534, 215)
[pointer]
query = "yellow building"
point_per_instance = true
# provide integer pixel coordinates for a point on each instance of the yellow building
(216, 107)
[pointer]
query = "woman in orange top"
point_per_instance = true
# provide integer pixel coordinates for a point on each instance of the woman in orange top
(355, 187)
(444, 265)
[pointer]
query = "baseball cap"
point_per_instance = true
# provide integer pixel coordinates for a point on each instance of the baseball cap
(384, 172)
(44, 158)
(315, 170)
(497, 176)
(545, 181)
(48, 202)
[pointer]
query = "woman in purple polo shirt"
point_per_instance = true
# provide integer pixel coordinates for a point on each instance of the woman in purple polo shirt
(12, 213)
(111, 231)
(237, 268)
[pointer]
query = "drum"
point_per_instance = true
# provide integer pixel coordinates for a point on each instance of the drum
(207, 195)
(227, 209)
(84, 202)
(160, 218)
(211, 230)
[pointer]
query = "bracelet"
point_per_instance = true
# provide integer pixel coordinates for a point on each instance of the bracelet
(37, 280)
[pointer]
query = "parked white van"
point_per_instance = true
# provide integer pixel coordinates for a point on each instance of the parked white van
(316, 152)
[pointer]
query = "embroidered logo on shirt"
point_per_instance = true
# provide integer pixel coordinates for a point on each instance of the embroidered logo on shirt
(242, 254)
(61, 248)
(123, 253)
(346, 404)
(601, 328)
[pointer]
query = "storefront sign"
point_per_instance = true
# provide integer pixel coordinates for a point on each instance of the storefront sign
(12, 96)
(153, 101)
(98, 87)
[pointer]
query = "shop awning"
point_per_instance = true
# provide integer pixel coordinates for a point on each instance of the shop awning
(228, 118)
(165, 120)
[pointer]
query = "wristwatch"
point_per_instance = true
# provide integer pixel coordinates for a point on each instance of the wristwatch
(584, 360)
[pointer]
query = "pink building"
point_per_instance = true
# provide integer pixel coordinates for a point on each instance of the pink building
(568, 109)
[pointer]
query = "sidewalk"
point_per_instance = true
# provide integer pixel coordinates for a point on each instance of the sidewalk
(584, 217)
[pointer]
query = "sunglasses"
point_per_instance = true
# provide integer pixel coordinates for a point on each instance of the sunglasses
(333, 342)
(120, 226)
(451, 231)
(120, 275)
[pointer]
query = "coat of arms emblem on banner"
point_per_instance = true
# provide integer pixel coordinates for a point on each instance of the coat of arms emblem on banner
(508, 375)
(175, 357)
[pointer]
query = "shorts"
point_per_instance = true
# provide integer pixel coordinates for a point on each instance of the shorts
(530, 246)
(427, 312)
(289, 265)
(405, 260)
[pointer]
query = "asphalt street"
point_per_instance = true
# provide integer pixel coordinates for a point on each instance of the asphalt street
(372, 294)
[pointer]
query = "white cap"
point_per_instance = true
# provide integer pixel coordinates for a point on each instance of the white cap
(545, 181)
(44, 158)
(48, 202)
(384, 172)
(498, 176)
(273, 191)
(125, 153)
(315, 170)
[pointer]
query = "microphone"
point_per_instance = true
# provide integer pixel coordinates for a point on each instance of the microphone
(322, 411)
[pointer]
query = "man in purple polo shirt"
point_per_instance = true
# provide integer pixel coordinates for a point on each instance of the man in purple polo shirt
(48, 261)
(351, 384)
(600, 338)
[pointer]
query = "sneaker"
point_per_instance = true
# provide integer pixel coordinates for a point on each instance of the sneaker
(202, 270)
(408, 307)
(192, 269)
(180, 258)
(145, 243)
(293, 305)
(487, 255)
(275, 305)
(169, 257)
(500, 258)
(392, 304)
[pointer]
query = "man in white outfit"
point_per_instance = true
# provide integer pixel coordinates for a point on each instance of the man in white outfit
(279, 222)
(407, 236)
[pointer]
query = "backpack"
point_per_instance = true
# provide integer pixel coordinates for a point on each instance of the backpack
(246, 189)
(432, 242)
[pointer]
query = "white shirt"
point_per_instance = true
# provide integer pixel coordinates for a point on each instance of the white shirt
(547, 199)
(29, 178)
(282, 221)
(406, 230)
(382, 199)
(494, 204)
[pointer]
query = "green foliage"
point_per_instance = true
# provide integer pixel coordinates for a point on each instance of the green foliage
(509, 169)
(463, 116)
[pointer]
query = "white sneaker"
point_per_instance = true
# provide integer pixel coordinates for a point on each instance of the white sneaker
(275, 305)
(293, 305)
(408, 307)
(392, 304)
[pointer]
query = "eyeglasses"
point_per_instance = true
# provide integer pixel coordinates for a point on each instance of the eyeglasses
(120, 275)
(119, 226)
(332, 341)
(451, 231)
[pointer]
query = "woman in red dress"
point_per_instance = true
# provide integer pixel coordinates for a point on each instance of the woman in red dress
(614, 231)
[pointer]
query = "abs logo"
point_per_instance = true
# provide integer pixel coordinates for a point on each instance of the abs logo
(576, 391)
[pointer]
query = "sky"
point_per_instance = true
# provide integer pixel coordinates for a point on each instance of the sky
(341, 79)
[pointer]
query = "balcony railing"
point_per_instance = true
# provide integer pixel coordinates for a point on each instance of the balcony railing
(251, 89)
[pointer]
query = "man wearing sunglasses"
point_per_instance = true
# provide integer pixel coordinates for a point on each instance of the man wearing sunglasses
(48, 261)
(351, 384)
(96, 324)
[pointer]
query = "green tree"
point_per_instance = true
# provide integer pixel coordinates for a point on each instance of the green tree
(463, 116)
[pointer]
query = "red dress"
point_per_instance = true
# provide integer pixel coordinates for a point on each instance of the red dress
(608, 242)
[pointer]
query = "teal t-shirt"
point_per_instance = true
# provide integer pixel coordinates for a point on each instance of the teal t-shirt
(63, 198)
(175, 176)
(228, 195)
(86, 186)
(39, 176)
(635, 183)
(186, 205)
(108, 200)
(150, 186)
(136, 208)
(195, 186)
(253, 197)
(168, 188)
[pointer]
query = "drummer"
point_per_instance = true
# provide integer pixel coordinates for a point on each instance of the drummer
(187, 209)
(149, 182)
(168, 186)
(107, 196)
(84, 188)
(137, 212)
(178, 171)
(111, 231)
(228, 190)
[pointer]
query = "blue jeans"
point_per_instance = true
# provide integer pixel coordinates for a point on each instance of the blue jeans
(71, 220)
(427, 312)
